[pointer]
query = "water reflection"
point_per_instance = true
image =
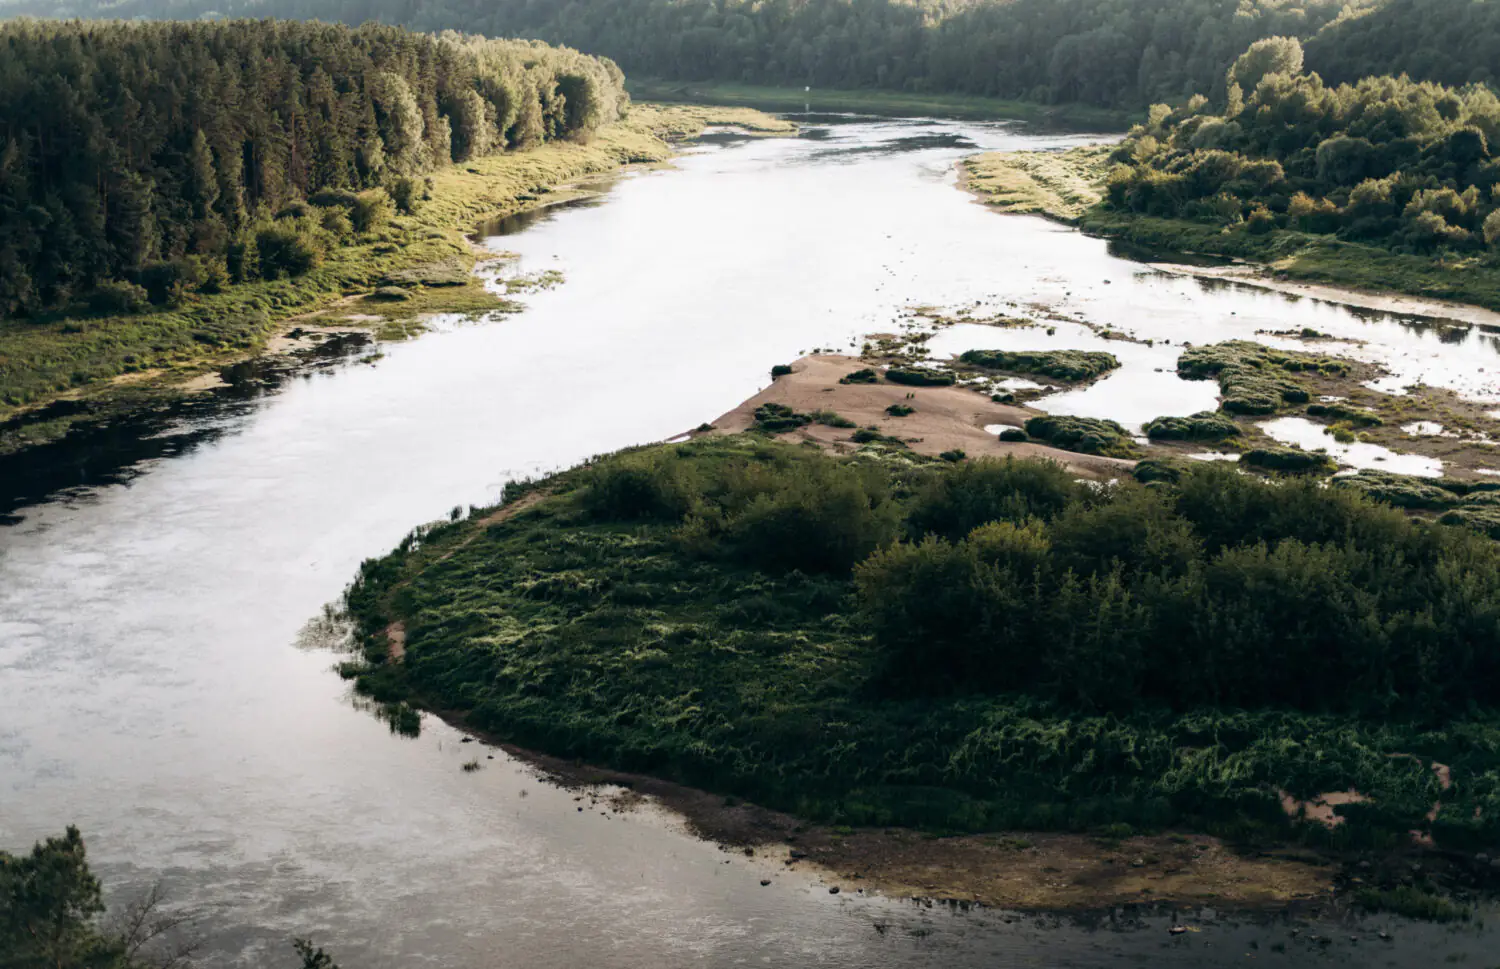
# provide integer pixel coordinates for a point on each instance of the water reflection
(153, 693)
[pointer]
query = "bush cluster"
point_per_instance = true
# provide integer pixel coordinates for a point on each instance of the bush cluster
(1059, 364)
(996, 576)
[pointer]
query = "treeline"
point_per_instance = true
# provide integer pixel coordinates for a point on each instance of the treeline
(1218, 589)
(1405, 164)
(139, 161)
(1113, 53)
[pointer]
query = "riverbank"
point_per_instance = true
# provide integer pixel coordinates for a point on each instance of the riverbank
(613, 619)
(1068, 186)
(891, 104)
(60, 372)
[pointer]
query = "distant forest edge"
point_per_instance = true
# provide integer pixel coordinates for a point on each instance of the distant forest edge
(141, 161)
(1106, 53)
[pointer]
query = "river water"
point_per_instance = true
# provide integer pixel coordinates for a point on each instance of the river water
(158, 578)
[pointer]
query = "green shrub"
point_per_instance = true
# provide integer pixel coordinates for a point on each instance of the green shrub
(900, 410)
(1014, 435)
(1086, 435)
(1289, 461)
(831, 419)
(776, 418)
(390, 294)
(919, 378)
(118, 298)
(1059, 364)
(866, 376)
(974, 493)
(167, 282)
(285, 249)
(780, 370)
(644, 486)
(371, 210)
(955, 455)
(1202, 426)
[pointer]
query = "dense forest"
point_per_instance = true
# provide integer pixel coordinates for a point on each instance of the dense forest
(142, 161)
(1401, 163)
(1112, 53)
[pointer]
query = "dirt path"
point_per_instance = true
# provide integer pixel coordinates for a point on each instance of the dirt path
(945, 419)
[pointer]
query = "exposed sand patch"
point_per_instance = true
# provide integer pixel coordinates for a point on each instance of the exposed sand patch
(946, 418)
(395, 641)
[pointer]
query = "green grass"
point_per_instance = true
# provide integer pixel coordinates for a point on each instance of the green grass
(877, 102)
(1061, 185)
(1413, 903)
(597, 625)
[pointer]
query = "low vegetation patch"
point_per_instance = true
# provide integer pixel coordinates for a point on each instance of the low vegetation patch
(916, 377)
(1253, 378)
(1060, 364)
(1289, 461)
(776, 418)
(980, 645)
(1345, 413)
(1086, 435)
(1202, 426)
(900, 410)
(865, 376)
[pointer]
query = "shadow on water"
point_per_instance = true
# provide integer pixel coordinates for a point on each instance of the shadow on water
(112, 445)
(521, 221)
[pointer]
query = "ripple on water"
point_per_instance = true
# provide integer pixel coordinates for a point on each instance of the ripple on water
(1310, 436)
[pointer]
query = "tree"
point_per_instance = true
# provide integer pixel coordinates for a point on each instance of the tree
(48, 903)
(1273, 55)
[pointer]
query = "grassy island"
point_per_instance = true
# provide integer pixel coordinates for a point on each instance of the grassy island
(885, 639)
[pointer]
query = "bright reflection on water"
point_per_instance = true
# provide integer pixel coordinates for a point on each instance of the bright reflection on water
(1309, 436)
(153, 695)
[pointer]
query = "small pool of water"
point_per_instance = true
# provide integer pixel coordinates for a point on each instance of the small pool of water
(1310, 436)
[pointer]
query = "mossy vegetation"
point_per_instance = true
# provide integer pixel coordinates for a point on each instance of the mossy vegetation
(1072, 365)
(1254, 378)
(919, 377)
(862, 376)
(984, 645)
(1086, 435)
(1289, 461)
(1202, 426)
(1345, 413)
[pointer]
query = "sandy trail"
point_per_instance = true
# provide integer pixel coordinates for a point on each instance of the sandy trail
(946, 418)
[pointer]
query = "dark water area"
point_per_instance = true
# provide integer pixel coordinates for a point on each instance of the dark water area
(164, 677)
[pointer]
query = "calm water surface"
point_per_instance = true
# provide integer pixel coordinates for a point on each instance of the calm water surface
(155, 588)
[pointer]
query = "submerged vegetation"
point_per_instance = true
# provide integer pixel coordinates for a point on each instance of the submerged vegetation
(986, 644)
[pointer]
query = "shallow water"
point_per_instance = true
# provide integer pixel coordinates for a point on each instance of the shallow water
(154, 589)
(1309, 436)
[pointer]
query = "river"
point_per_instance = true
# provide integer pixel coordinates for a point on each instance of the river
(158, 579)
